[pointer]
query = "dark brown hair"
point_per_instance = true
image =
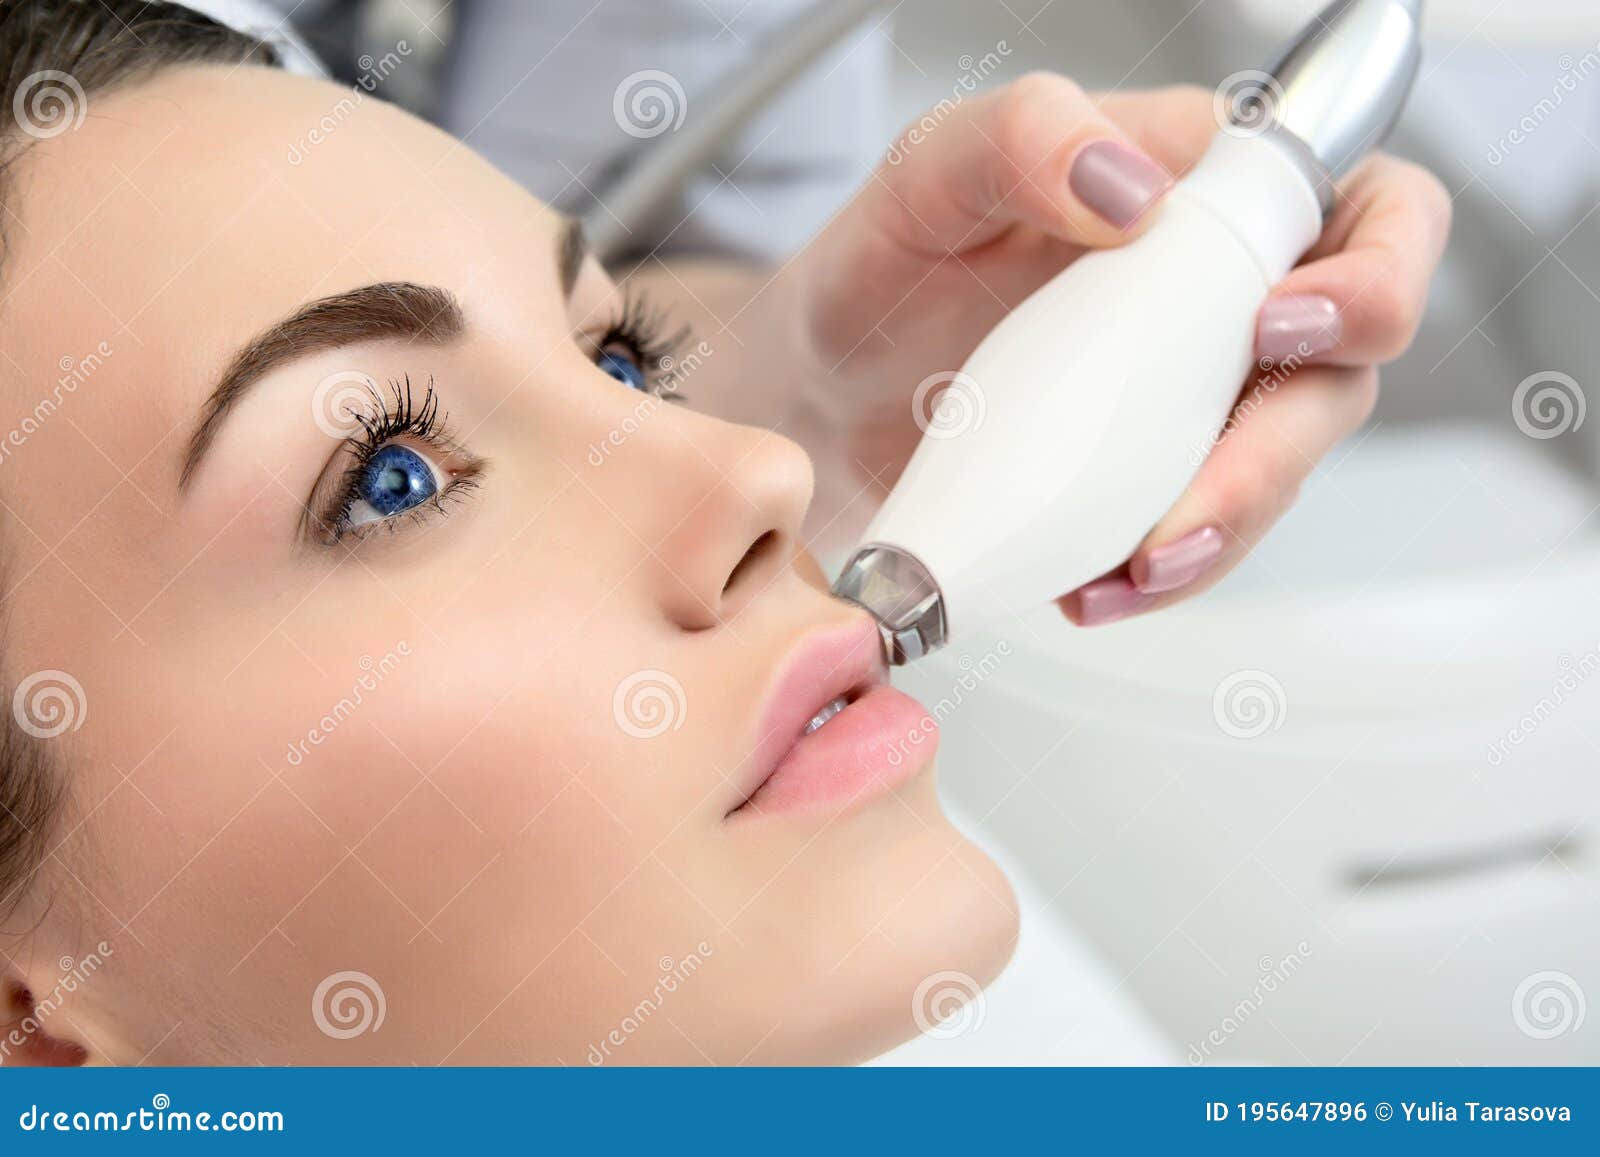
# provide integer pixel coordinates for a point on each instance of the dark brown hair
(53, 54)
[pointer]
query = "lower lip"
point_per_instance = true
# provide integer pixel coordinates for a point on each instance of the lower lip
(874, 745)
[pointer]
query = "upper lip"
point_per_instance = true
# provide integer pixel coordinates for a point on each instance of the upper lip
(826, 664)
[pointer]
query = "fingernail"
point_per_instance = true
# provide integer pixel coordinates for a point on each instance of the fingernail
(1298, 327)
(1118, 182)
(1178, 563)
(1109, 599)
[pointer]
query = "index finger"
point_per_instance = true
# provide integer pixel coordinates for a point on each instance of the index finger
(1174, 125)
(1365, 283)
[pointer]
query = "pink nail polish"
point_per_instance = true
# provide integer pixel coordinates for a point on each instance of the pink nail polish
(1109, 599)
(1295, 327)
(1178, 563)
(1117, 182)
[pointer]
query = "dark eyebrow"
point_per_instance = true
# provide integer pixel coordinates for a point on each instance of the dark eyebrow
(388, 309)
(398, 310)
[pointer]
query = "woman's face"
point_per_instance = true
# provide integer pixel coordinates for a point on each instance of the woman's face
(472, 687)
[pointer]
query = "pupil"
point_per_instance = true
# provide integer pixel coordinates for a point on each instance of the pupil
(624, 369)
(395, 481)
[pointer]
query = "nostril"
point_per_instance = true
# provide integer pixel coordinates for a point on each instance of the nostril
(759, 550)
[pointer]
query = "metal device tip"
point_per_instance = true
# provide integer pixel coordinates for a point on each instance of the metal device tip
(1339, 86)
(901, 595)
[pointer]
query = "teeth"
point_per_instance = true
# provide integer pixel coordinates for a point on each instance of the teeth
(827, 713)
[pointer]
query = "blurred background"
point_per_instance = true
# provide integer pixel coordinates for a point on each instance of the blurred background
(1343, 810)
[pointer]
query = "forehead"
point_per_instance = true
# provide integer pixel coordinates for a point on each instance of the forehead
(192, 210)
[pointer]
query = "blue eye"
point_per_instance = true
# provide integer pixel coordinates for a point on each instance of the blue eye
(625, 369)
(393, 481)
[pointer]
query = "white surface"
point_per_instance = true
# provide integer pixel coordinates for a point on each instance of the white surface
(1397, 504)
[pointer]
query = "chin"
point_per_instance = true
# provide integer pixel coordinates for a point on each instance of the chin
(927, 912)
(955, 933)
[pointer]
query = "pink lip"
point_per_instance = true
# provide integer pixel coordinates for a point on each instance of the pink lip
(881, 740)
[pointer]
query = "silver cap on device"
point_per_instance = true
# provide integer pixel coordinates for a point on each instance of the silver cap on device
(1337, 89)
(901, 595)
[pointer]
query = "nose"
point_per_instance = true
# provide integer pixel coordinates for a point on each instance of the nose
(729, 518)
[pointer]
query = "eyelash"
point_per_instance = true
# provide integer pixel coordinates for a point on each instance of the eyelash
(639, 328)
(643, 330)
(391, 418)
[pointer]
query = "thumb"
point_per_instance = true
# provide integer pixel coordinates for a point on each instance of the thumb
(1038, 153)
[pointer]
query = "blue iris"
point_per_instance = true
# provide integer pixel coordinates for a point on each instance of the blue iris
(624, 369)
(396, 479)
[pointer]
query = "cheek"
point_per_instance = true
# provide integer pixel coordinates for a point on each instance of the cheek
(484, 766)
(382, 817)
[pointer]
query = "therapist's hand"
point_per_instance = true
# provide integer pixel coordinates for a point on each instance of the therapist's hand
(995, 199)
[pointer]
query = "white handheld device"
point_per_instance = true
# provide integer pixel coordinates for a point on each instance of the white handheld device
(1077, 430)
